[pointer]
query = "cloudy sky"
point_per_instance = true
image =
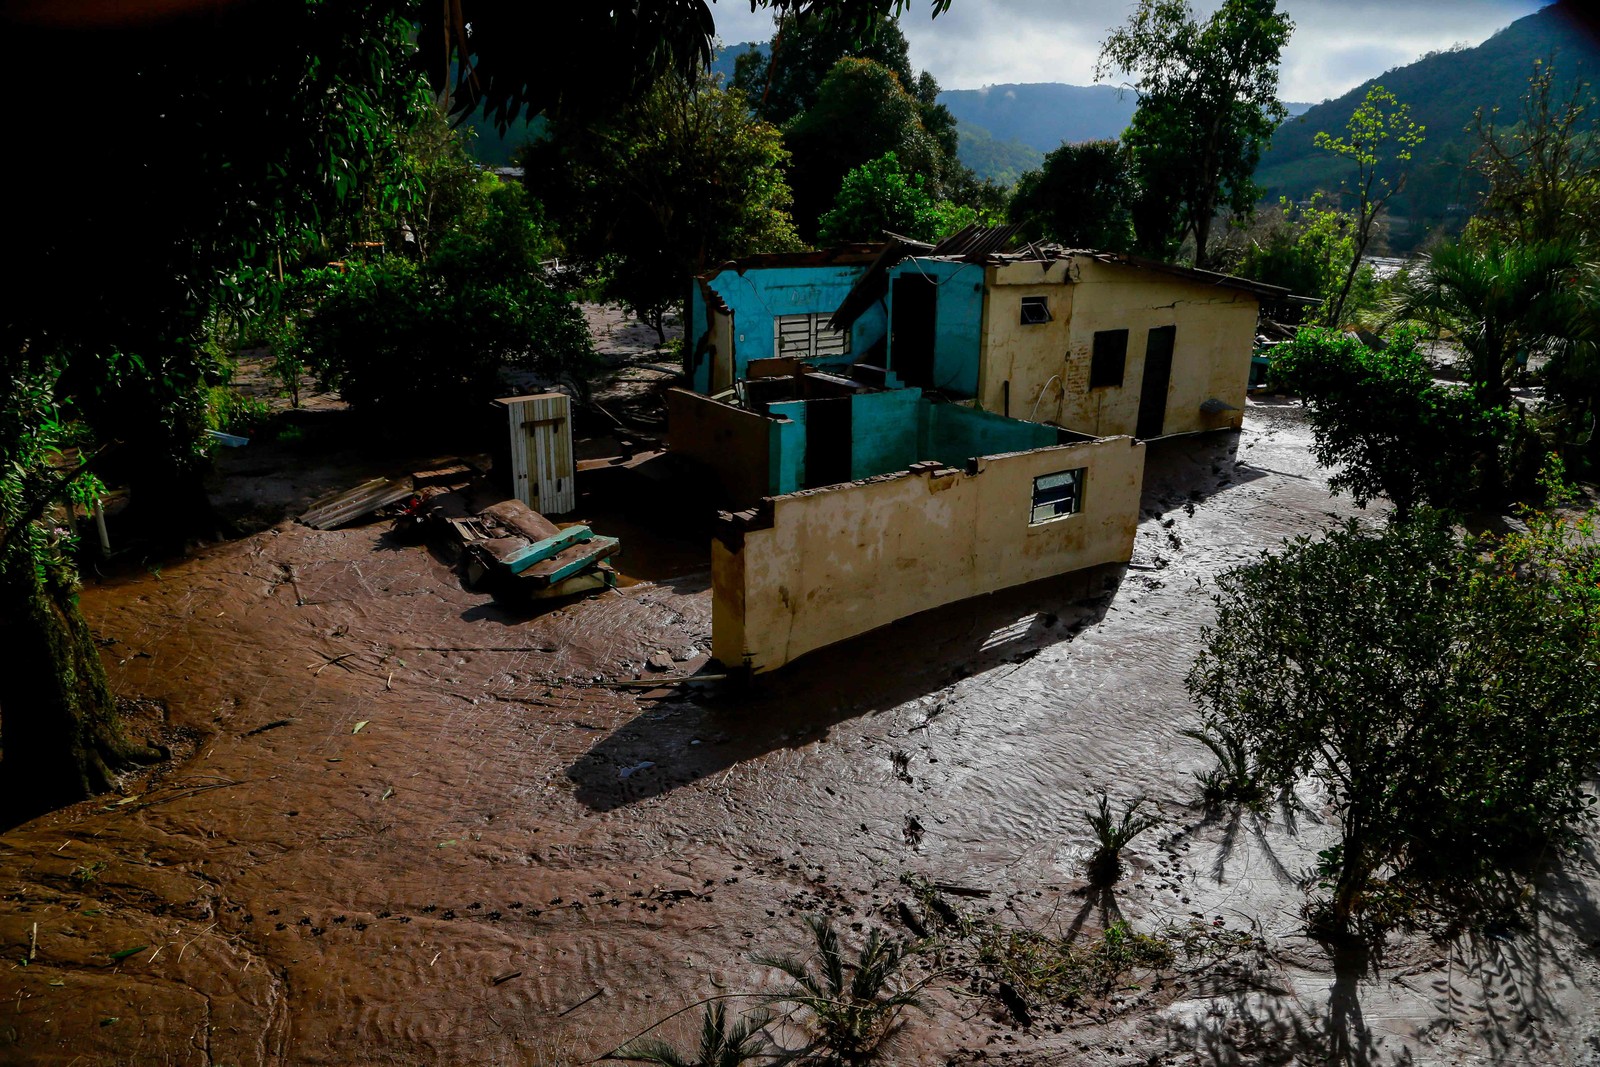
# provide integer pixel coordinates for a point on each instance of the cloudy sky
(1337, 44)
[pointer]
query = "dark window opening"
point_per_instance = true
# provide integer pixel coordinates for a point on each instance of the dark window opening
(1110, 358)
(1057, 494)
(1035, 310)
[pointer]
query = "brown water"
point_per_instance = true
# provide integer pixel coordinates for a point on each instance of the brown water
(301, 891)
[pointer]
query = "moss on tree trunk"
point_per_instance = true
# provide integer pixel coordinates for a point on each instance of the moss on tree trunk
(58, 721)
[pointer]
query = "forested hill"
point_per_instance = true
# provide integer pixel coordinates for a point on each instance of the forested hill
(1044, 114)
(1443, 89)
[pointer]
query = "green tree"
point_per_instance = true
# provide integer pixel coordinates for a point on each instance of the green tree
(1079, 196)
(1380, 140)
(786, 82)
(1385, 428)
(238, 132)
(59, 710)
(1303, 248)
(411, 340)
(1207, 105)
(1443, 698)
(444, 190)
(879, 196)
(1503, 303)
(1542, 174)
(480, 48)
(683, 179)
(862, 113)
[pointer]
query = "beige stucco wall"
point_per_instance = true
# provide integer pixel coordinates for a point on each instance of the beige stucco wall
(1215, 333)
(1025, 356)
(844, 560)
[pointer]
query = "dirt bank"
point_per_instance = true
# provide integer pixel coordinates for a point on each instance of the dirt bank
(417, 829)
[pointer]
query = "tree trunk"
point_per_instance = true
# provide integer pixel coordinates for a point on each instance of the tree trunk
(1202, 236)
(1354, 873)
(58, 719)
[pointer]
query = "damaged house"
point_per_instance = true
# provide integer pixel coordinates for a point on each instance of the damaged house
(903, 426)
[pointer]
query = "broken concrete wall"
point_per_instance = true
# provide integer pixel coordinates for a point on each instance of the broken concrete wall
(813, 568)
(958, 321)
(756, 296)
(734, 444)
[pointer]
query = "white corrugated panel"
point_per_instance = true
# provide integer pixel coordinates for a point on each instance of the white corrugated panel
(542, 465)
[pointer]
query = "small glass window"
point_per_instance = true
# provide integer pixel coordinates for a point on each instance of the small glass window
(1035, 310)
(1057, 494)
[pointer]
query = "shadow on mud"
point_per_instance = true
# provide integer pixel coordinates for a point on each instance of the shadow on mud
(1191, 470)
(1266, 1026)
(681, 742)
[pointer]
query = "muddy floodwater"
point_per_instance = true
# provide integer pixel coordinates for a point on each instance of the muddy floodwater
(406, 827)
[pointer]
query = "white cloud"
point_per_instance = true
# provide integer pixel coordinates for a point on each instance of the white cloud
(1337, 43)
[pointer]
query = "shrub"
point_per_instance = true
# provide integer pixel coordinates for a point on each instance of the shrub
(1445, 697)
(403, 337)
(1390, 430)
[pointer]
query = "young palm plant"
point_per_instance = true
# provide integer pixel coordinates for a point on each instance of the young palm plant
(1113, 835)
(1234, 779)
(720, 1045)
(853, 1009)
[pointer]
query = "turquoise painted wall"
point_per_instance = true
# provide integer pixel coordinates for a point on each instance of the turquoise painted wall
(952, 435)
(788, 451)
(761, 294)
(958, 321)
(885, 429)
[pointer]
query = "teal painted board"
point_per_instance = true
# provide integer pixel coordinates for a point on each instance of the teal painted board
(572, 561)
(540, 551)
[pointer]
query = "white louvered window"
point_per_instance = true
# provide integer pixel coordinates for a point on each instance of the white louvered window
(808, 336)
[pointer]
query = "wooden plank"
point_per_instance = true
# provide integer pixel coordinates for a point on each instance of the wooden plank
(572, 561)
(540, 551)
(588, 582)
(340, 508)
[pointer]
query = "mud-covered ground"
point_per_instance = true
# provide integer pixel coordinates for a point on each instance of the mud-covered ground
(415, 829)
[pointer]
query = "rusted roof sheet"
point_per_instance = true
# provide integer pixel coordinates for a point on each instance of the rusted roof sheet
(1194, 274)
(338, 508)
(976, 242)
(972, 243)
(846, 255)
